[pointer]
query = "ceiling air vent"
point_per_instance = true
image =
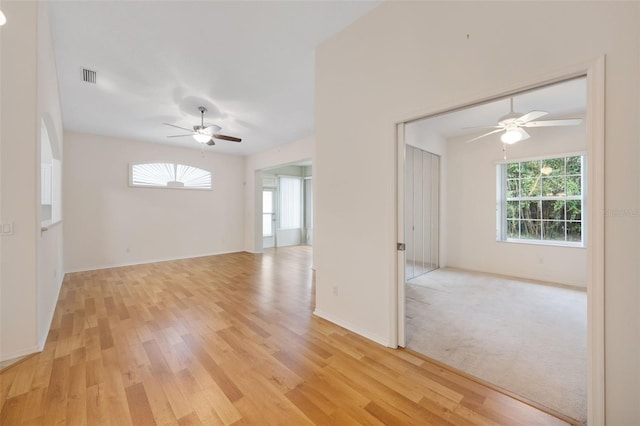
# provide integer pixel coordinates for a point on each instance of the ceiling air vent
(88, 76)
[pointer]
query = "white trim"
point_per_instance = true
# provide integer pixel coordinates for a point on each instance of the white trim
(542, 157)
(595, 249)
(398, 298)
(20, 353)
(594, 197)
(354, 328)
(144, 262)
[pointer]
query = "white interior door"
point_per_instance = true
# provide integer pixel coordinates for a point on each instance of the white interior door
(401, 237)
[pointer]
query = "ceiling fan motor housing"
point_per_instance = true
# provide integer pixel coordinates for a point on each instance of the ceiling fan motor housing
(509, 118)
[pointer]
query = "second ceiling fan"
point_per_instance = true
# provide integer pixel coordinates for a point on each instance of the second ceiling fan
(204, 134)
(513, 123)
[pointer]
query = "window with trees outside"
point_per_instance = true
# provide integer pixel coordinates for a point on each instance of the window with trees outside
(542, 201)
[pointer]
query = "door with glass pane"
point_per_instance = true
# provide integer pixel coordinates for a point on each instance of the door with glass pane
(421, 212)
(268, 218)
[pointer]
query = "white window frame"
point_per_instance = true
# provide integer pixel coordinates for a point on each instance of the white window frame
(176, 183)
(501, 205)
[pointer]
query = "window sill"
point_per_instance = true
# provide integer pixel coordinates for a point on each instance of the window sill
(545, 243)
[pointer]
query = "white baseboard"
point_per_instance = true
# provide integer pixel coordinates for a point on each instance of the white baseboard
(351, 327)
(20, 353)
(146, 261)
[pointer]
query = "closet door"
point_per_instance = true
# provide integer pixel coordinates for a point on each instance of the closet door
(421, 211)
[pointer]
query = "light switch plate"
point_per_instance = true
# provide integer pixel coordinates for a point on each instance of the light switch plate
(6, 229)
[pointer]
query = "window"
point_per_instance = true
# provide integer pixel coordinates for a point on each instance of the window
(290, 202)
(542, 201)
(169, 175)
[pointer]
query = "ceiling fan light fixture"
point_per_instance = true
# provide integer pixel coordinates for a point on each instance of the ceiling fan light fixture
(201, 137)
(511, 136)
(3, 19)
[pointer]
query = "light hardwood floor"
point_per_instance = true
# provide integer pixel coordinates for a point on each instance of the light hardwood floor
(229, 339)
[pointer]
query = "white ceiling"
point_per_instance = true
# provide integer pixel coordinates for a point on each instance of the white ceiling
(566, 99)
(251, 63)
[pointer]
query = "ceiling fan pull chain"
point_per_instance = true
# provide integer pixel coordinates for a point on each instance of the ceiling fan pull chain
(504, 151)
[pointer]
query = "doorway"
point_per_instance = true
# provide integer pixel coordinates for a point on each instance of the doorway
(471, 206)
(287, 205)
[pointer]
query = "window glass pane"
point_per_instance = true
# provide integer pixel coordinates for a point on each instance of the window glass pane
(553, 209)
(530, 169)
(530, 229)
(530, 209)
(553, 231)
(574, 185)
(513, 188)
(267, 202)
(513, 170)
(553, 186)
(513, 209)
(574, 210)
(530, 187)
(267, 229)
(574, 165)
(552, 167)
(290, 202)
(513, 229)
(574, 231)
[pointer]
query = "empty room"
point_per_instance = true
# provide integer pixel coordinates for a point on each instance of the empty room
(203, 212)
(495, 249)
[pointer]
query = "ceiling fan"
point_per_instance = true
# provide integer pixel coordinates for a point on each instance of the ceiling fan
(204, 134)
(513, 125)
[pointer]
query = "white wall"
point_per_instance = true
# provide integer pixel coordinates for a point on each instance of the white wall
(108, 223)
(406, 59)
(50, 246)
(472, 237)
(284, 154)
(31, 262)
(19, 134)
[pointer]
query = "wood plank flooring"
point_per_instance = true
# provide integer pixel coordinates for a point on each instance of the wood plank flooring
(225, 340)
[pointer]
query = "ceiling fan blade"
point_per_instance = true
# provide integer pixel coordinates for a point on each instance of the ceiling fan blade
(548, 123)
(531, 115)
(180, 136)
(227, 138)
(524, 134)
(485, 134)
(178, 127)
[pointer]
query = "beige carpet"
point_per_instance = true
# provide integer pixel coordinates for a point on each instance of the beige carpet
(528, 338)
